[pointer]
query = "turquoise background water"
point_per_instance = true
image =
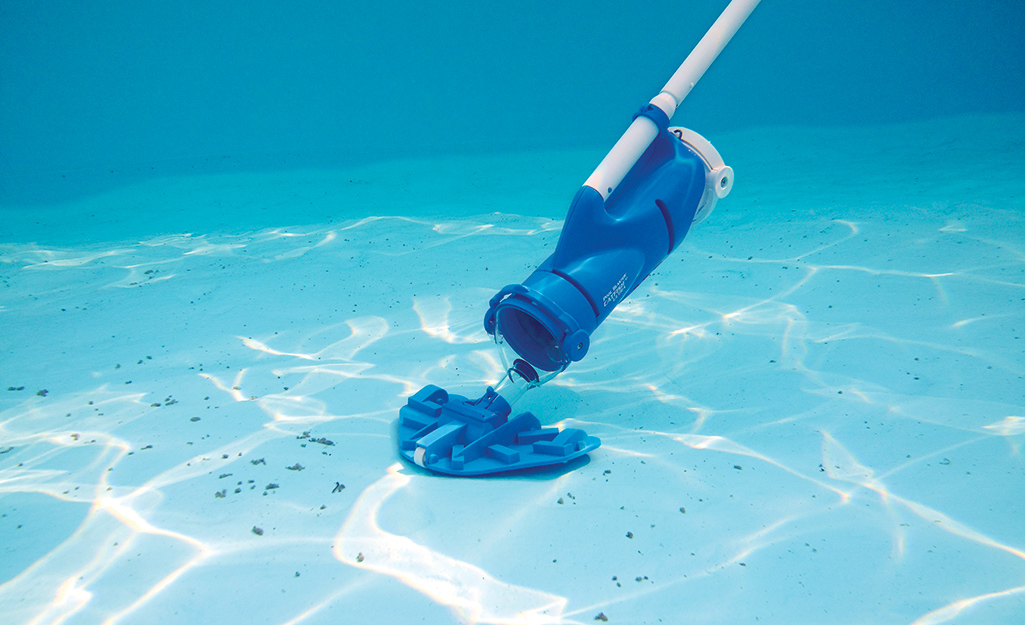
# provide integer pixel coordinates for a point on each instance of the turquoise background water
(94, 95)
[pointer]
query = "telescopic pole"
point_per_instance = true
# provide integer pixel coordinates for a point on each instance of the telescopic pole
(622, 157)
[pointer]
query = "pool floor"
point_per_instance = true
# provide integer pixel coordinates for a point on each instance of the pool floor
(812, 412)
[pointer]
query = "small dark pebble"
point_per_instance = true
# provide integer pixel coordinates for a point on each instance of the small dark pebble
(148, 447)
(629, 534)
(42, 393)
(258, 530)
(258, 461)
(560, 501)
(16, 388)
(296, 467)
(223, 475)
(339, 487)
(683, 510)
(738, 467)
(271, 486)
(194, 419)
(359, 557)
(601, 617)
(307, 436)
(221, 494)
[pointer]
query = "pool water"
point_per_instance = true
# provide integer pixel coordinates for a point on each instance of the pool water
(813, 411)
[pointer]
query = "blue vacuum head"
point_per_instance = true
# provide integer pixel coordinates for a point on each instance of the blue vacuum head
(608, 246)
(453, 435)
(629, 215)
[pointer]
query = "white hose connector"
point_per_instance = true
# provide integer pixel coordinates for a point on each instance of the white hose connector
(666, 102)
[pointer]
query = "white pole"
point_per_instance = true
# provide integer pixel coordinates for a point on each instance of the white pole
(642, 131)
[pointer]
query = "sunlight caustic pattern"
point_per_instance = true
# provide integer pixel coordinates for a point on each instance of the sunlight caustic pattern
(803, 412)
(474, 594)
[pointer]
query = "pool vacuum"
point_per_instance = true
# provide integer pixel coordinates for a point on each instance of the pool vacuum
(631, 213)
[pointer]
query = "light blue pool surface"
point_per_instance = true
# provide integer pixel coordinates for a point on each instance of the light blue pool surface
(234, 239)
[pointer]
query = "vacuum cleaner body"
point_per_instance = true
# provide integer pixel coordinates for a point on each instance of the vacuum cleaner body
(630, 214)
(606, 249)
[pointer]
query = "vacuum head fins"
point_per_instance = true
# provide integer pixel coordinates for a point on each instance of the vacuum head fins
(453, 435)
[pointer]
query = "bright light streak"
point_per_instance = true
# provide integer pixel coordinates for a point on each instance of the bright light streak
(473, 593)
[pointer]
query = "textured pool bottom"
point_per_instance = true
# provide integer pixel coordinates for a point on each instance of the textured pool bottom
(812, 411)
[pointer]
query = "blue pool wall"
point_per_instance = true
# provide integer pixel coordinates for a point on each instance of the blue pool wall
(95, 95)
